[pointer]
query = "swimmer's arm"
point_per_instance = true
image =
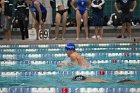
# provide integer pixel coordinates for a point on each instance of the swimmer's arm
(37, 6)
(65, 65)
(70, 65)
(43, 3)
(2, 4)
(134, 5)
(74, 60)
(64, 62)
(116, 6)
(61, 65)
(89, 79)
(72, 4)
(89, 3)
(33, 15)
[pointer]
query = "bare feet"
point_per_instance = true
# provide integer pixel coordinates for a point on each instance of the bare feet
(87, 38)
(63, 38)
(99, 38)
(77, 38)
(54, 38)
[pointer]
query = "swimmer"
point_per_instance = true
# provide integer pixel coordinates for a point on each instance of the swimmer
(66, 63)
(88, 79)
(128, 81)
(85, 79)
(75, 58)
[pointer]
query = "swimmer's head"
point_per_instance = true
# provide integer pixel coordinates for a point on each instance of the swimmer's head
(79, 78)
(70, 46)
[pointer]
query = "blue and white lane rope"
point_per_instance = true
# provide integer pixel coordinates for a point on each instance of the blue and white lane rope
(24, 62)
(69, 90)
(61, 55)
(69, 73)
(62, 45)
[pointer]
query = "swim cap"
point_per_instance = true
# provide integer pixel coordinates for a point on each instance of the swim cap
(79, 78)
(70, 46)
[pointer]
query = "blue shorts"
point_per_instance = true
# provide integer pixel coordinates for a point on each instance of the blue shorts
(126, 17)
(98, 19)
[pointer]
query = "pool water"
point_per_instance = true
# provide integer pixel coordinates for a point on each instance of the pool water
(33, 68)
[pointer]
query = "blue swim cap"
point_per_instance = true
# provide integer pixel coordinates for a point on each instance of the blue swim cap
(70, 46)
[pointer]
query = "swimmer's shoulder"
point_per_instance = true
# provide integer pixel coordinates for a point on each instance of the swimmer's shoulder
(128, 81)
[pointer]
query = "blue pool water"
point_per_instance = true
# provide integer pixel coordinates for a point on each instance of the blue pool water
(29, 68)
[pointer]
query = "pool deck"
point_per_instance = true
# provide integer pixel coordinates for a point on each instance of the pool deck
(109, 36)
(80, 41)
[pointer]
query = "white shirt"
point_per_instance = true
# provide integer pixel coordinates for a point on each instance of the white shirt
(59, 3)
(93, 5)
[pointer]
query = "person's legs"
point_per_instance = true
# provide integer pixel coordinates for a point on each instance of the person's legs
(33, 22)
(128, 26)
(26, 33)
(5, 34)
(129, 17)
(9, 35)
(123, 30)
(42, 30)
(22, 29)
(100, 23)
(124, 18)
(43, 25)
(101, 32)
(37, 30)
(7, 28)
(85, 18)
(26, 28)
(78, 20)
(64, 24)
(96, 31)
(4, 26)
(57, 21)
(96, 23)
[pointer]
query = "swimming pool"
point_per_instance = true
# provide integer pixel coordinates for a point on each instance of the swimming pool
(32, 68)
